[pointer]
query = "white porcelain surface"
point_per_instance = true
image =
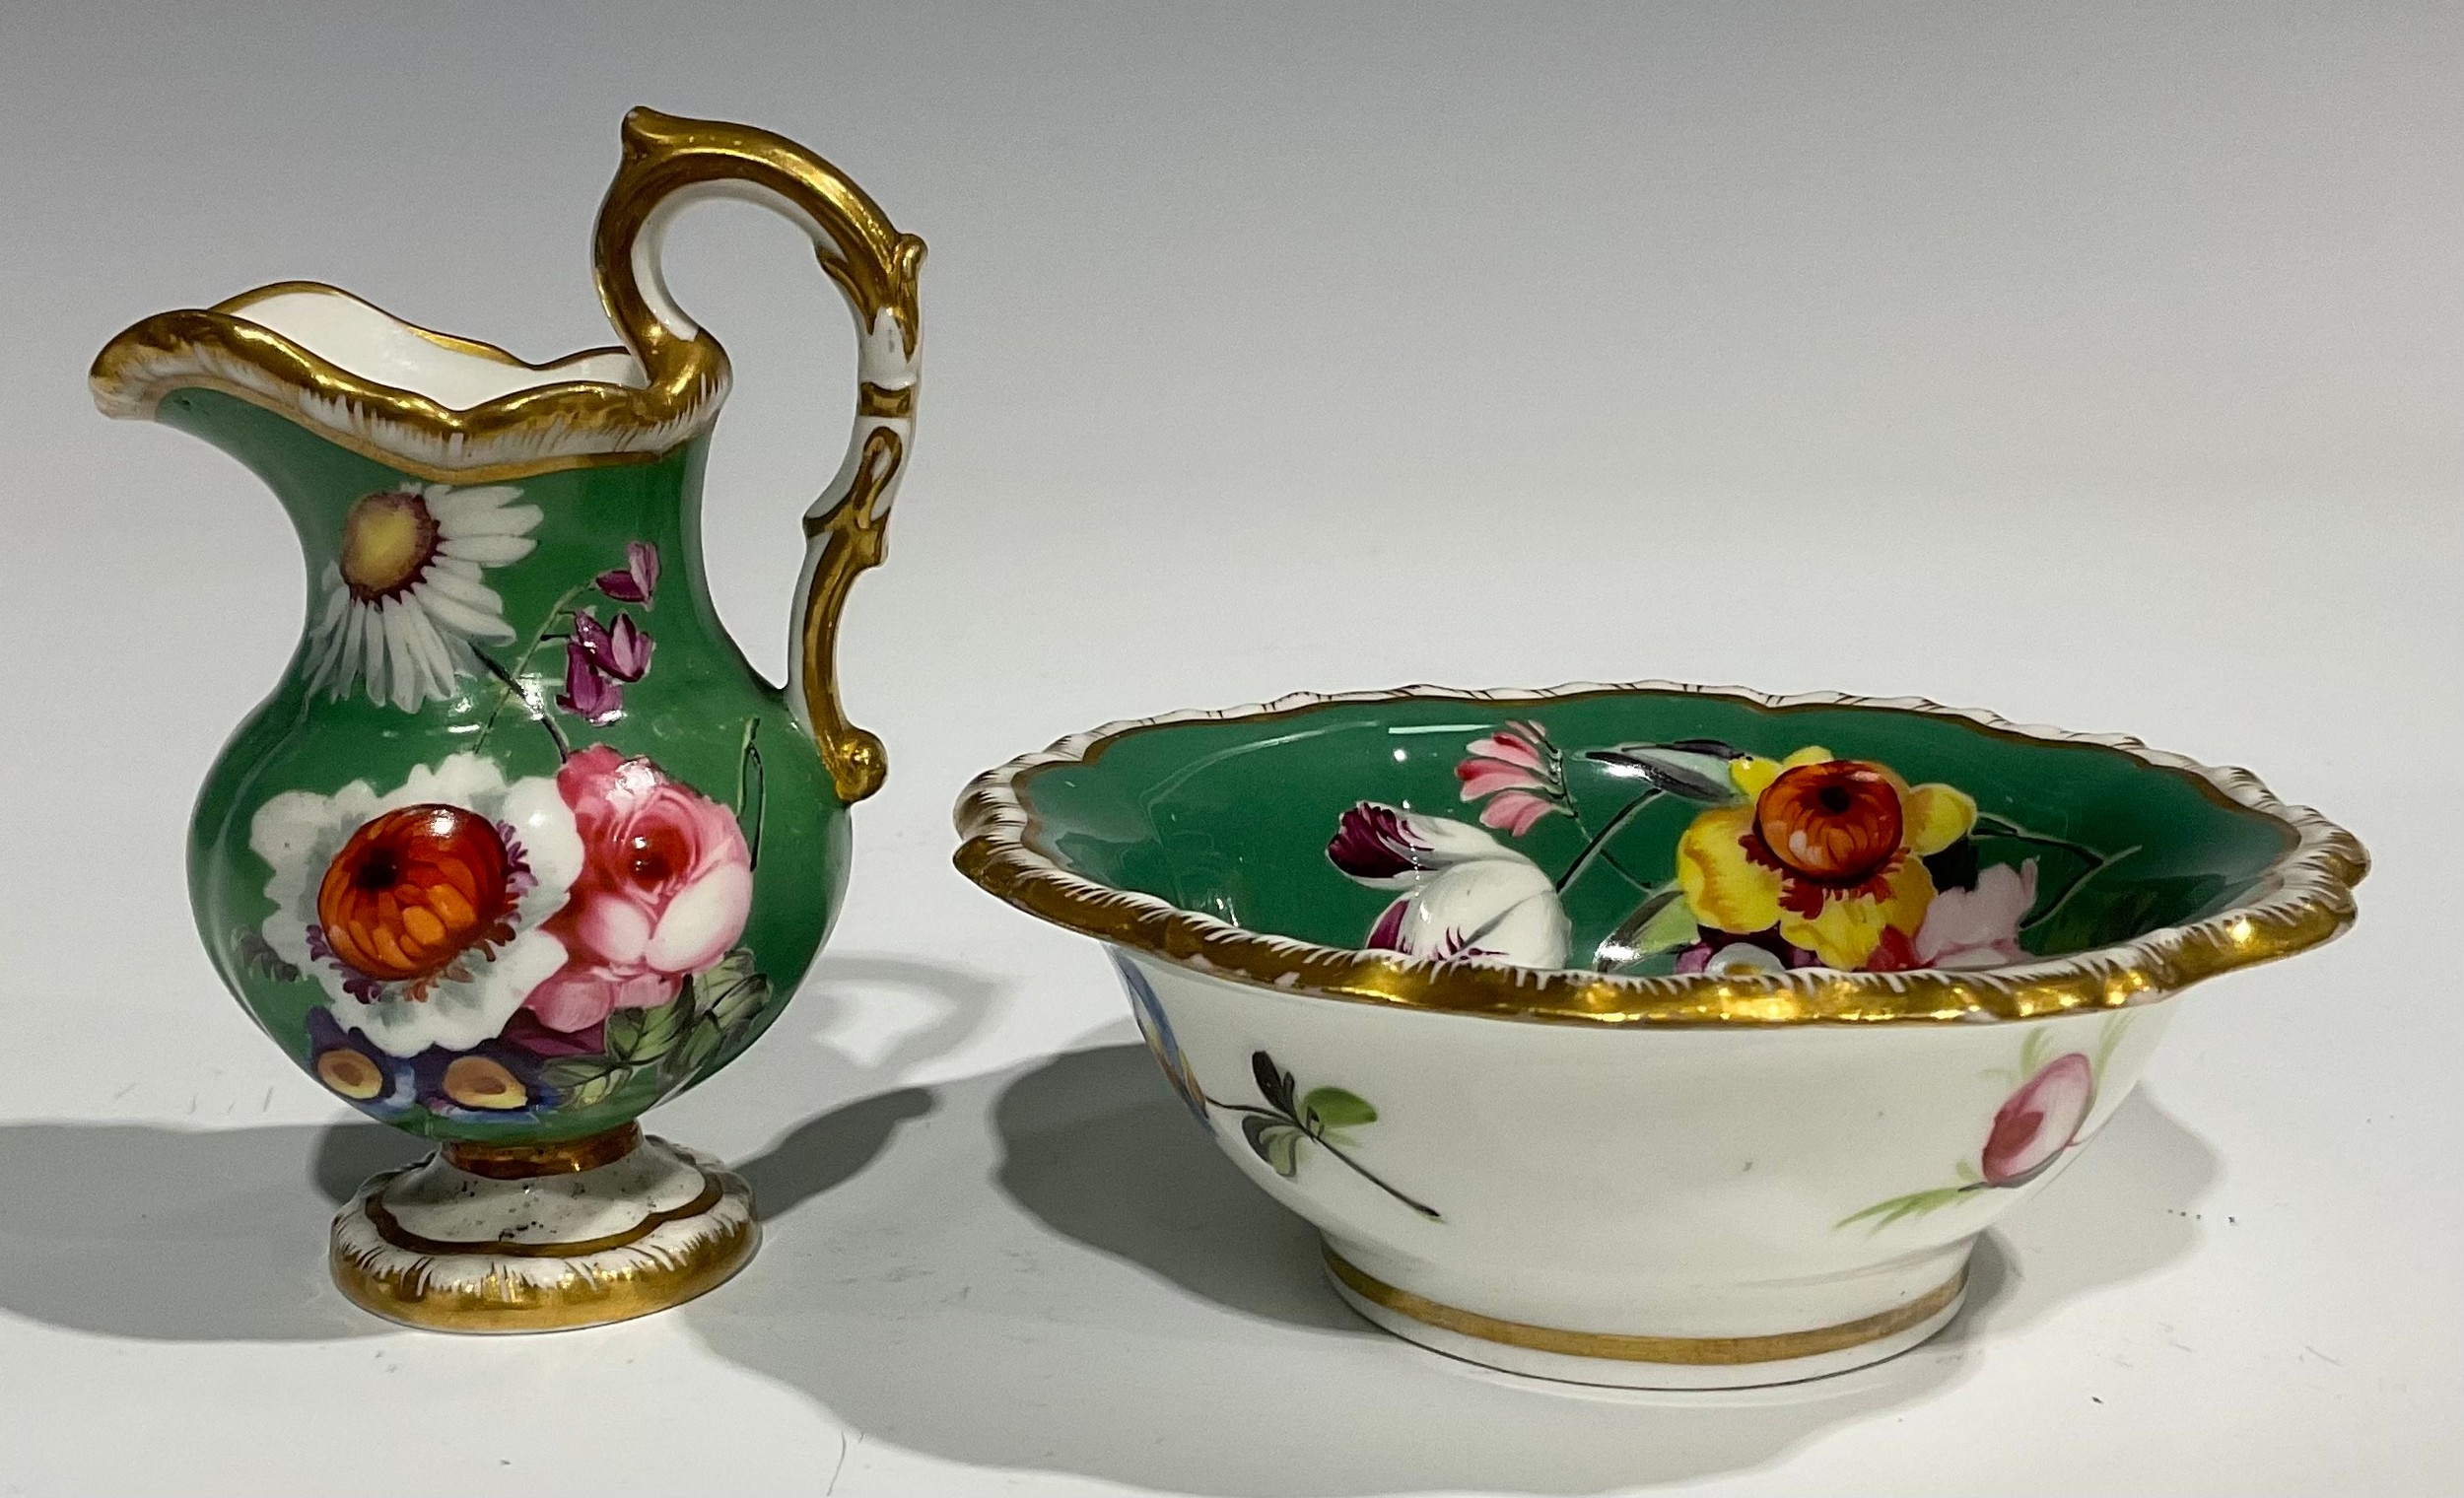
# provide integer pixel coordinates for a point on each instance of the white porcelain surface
(434, 1199)
(464, 1214)
(1650, 1183)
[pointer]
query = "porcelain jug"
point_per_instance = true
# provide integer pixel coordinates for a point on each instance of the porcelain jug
(520, 844)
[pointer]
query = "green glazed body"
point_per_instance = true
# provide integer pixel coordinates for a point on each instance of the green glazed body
(510, 875)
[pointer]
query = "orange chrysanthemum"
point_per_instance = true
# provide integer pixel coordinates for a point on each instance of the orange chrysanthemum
(412, 891)
(1831, 851)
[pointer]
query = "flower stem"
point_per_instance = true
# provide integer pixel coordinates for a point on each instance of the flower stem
(1598, 843)
(1365, 1174)
(513, 686)
(750, 781)
(539, 710)
(1321, 1140)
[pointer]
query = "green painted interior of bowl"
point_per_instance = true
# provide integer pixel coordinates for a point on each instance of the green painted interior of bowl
(1231, 817)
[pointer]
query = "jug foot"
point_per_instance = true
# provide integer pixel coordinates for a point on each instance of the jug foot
(1623, 1361)
(543, 1238)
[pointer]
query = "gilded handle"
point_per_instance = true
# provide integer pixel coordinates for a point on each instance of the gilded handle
(671, 162)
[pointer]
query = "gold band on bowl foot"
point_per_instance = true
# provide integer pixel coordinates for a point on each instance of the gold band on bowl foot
(1633, 1361)
(665, 1258)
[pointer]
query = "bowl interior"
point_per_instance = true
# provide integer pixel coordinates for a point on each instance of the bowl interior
(1233, 818)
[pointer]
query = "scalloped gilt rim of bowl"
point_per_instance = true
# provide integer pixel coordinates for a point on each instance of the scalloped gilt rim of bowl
(2303, 899)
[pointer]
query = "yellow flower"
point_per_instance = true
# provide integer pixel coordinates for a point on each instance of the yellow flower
(1830, 851)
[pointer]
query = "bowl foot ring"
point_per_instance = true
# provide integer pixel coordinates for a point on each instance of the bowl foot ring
(1626, 1361)
(570, 1237)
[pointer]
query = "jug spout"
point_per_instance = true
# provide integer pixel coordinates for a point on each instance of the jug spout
(429, 404)
(353, 416)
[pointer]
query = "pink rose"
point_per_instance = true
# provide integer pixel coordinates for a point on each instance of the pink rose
(664, 889)
(1978, 928)
(2039, 1121)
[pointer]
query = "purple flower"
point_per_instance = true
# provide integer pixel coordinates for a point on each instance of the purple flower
(621, 649)
(358, 984)
(593, 696)
(1464, 894)
(354, 1069)
(1374, 845)
(637, 579)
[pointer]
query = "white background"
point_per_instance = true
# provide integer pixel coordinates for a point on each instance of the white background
(2100, 365)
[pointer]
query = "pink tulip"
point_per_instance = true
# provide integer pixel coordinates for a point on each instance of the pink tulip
(1516, 744)
(666, 888)
(1515, 811)
(1518, 766)
(1482, 777)
(2039, 1121)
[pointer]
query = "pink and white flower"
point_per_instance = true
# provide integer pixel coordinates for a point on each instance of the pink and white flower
(665, 886)
(1466, 894)
(1978, 928)
(2039, 1121)
(1518, 772)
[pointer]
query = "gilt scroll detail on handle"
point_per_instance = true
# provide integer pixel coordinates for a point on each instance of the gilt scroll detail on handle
(670, 162)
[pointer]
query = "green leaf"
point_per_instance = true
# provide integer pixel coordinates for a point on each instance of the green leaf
(1882, 1214)
(2106, 1040)
(2032, 1053)
(1283, 1153)
(600, 1088)
(1274, 1084)
(1696, 769)
(1333, 1108)
(1652, 921)
(257, 955)
(1669, 927)
(568, 1073)
(730, 991)
(1274, 1141)
(701, 1043)
(645, 1035)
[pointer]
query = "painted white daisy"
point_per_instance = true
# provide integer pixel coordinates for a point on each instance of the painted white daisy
(419, 910)
(404, 600)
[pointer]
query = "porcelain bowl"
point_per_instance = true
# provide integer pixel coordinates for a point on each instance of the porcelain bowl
(1651, 1035)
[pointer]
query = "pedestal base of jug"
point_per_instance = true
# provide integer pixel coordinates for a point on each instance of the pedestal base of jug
(543, 1238)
